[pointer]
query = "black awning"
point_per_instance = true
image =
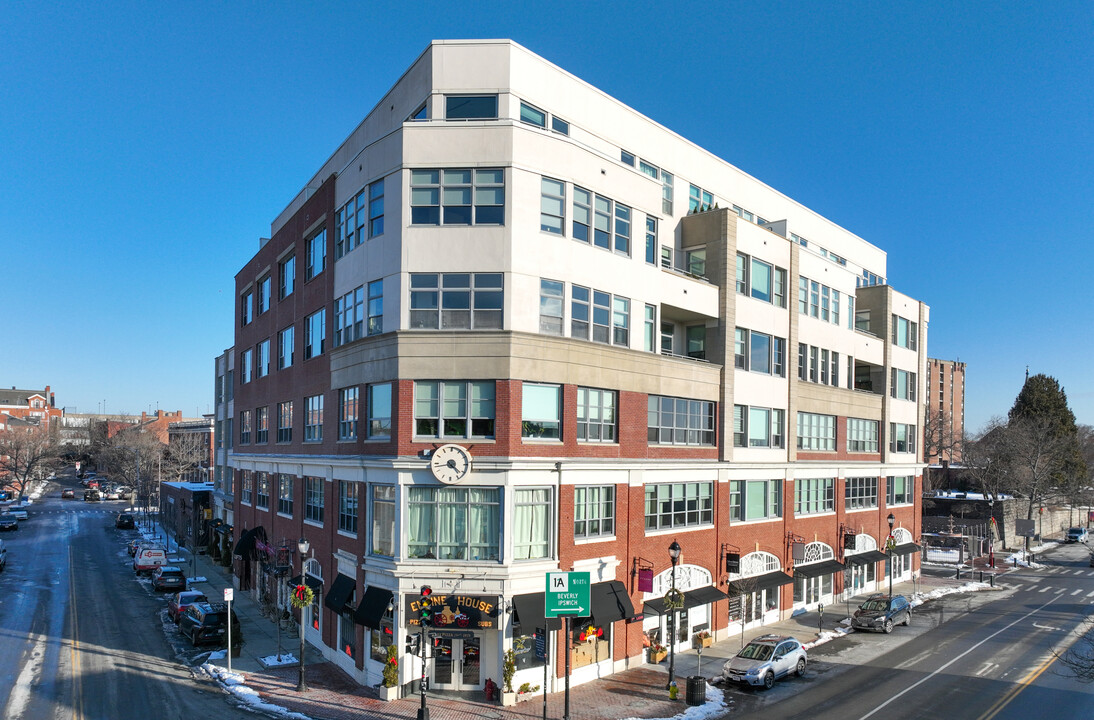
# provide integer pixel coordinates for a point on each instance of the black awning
(311, 581)
(340, 592)
(761, 582)
(906, 549)
(373, 606)
(529, 610)
(865, 558)
(692, 598)
(824, 567)
(245, 547)
(610, 602)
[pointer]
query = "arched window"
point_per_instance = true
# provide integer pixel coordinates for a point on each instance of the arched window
(757, 563)
(817, 551)
(902, 536)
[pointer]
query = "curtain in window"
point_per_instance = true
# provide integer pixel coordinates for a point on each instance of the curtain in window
(530, 524)
(452, 523)
(420, 523)
(484, 527)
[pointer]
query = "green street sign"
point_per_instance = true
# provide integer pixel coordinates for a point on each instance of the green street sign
(567, 594)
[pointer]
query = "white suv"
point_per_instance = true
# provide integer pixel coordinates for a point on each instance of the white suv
(766, 659)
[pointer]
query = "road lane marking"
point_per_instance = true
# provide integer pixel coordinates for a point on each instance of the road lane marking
(77, 682)
(1077, 592)
(1047, 627)
(955, 659)
(1046, 588)
(20, 691)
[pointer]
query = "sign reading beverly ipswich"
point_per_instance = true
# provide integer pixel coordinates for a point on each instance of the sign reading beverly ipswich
(567, 594)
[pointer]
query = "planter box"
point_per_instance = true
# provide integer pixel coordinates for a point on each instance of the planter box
(508, 699)
(388, 693)
(656, 657)
(704, 642)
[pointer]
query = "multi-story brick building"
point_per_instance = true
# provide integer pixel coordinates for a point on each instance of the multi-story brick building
(37, 407)
(499, 334)
(945, 411)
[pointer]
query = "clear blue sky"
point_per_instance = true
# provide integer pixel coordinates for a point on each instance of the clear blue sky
(145, 147)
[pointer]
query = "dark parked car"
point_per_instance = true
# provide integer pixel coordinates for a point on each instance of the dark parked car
(205, 622)
(124, 522)
(181, 601)
(881, 612)
(168, 577)
(8, 522)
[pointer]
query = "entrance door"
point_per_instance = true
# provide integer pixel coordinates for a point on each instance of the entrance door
(456, 664)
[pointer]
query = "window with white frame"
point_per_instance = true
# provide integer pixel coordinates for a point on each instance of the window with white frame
(315, 334)
(262, 366)
(758, 427)
(375, 307)
(313, 418)
(621, 319)
(904, 333)
(347, 413)
(532, 523)
(596, 315)
(541, 411)
(759, 352)
(559, 125)
(286, 277)
(453, 523)
(601, 221)
(814, 495)
(551, 299)
(246, 308)
(899, 489)
(901, 438)
(351, 222)
(594, 511)
(816, 432)
(649, 329)
(678, 505)
(457, 196)
(284, 494)
(454, 409)
(456, 301)
(595, 415)
(383, 519)
(246, 366)
(902, 384)
(286, 347)
(699, 199)
(755, 499)
(860, 493)
(761, 280)
(379, 411)
(316, 255)
(862, 435)
(533, 115)
(313, 499)
(651, 240)
(349, 316)
(666, 192)
(552, 206)
(679, 421)
(264, 286)
(818, 300)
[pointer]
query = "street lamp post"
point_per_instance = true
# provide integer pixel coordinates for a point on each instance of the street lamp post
(889, 544)
(674, 556)
(302, 545)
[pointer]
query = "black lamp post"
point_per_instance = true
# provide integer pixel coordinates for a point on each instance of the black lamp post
(302, 545)
(674, 556)
(889, 543)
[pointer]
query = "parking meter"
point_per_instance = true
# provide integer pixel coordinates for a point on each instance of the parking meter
(820, 617)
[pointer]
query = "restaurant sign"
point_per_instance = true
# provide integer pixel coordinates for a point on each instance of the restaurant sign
(455, 611)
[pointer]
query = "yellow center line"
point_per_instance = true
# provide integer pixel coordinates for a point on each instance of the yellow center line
(1009, 696)
(77, 683)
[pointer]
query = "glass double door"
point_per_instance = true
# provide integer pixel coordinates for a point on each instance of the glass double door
(456, 663)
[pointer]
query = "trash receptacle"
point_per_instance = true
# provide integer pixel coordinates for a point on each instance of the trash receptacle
(696, 690)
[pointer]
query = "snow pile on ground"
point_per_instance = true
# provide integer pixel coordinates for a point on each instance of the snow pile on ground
(712, 708)
(279, 660)
(829, 636)
(233, 684)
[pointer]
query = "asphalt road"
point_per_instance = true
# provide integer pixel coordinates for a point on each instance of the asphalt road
(980, 656)
(82, 639)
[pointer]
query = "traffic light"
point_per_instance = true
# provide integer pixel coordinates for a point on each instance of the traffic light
(425, 609)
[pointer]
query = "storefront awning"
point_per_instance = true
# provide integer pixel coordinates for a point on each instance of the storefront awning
(760, 582)
(529, 610)
(865, 558)
(373, 606)
(610, 602)
(692, 598)
(817, 569)
(247, 542)
(906, 549)
(340, 592)
(311, 581)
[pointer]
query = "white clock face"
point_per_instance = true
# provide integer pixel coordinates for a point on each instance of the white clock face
(450, 463)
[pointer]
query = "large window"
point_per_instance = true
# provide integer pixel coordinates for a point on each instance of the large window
(901, 438)
(905, 333)
(285, 494)
(817, 300)
(679, 421)
(284, 421)
(899, 489)
(814, 495)
(601, 220)
(313, 499)
(375, 307)
(755, 499)
(471, 107)
(349, 316)
(315, 255)
(761, 280)
(360, 218)
(347, 413)
(758, 427)
(453, 523)
(383, 519)
(699, 199)
(902, 384)
(860, 493)
(313, 418)
(532, 524)
(460, 196)
(264, 294)
(679, 505)
(552, 206)
(818, 365)
(379, 411)
(286, 277)
(541, 411)
(315, 334)
(454, 409)
(610, 317)
(347, 506)
(594, 511)
(816, 432)
(286, 347)
(262, 424)
(596, 415)
(759, 352)
(456, 301)
(862, 435)
(551, 299)
(262, 490)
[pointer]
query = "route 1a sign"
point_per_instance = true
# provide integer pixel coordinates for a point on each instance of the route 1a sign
(567, 594)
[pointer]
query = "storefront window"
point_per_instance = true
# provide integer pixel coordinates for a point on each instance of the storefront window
(380, 639)
(588, 648)
(524, 652)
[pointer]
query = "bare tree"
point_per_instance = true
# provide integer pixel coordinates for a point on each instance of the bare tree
(1037, 458)
(939, 441)
(133, 457)
(26, 452)
(185, 453)
(1079, 658)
